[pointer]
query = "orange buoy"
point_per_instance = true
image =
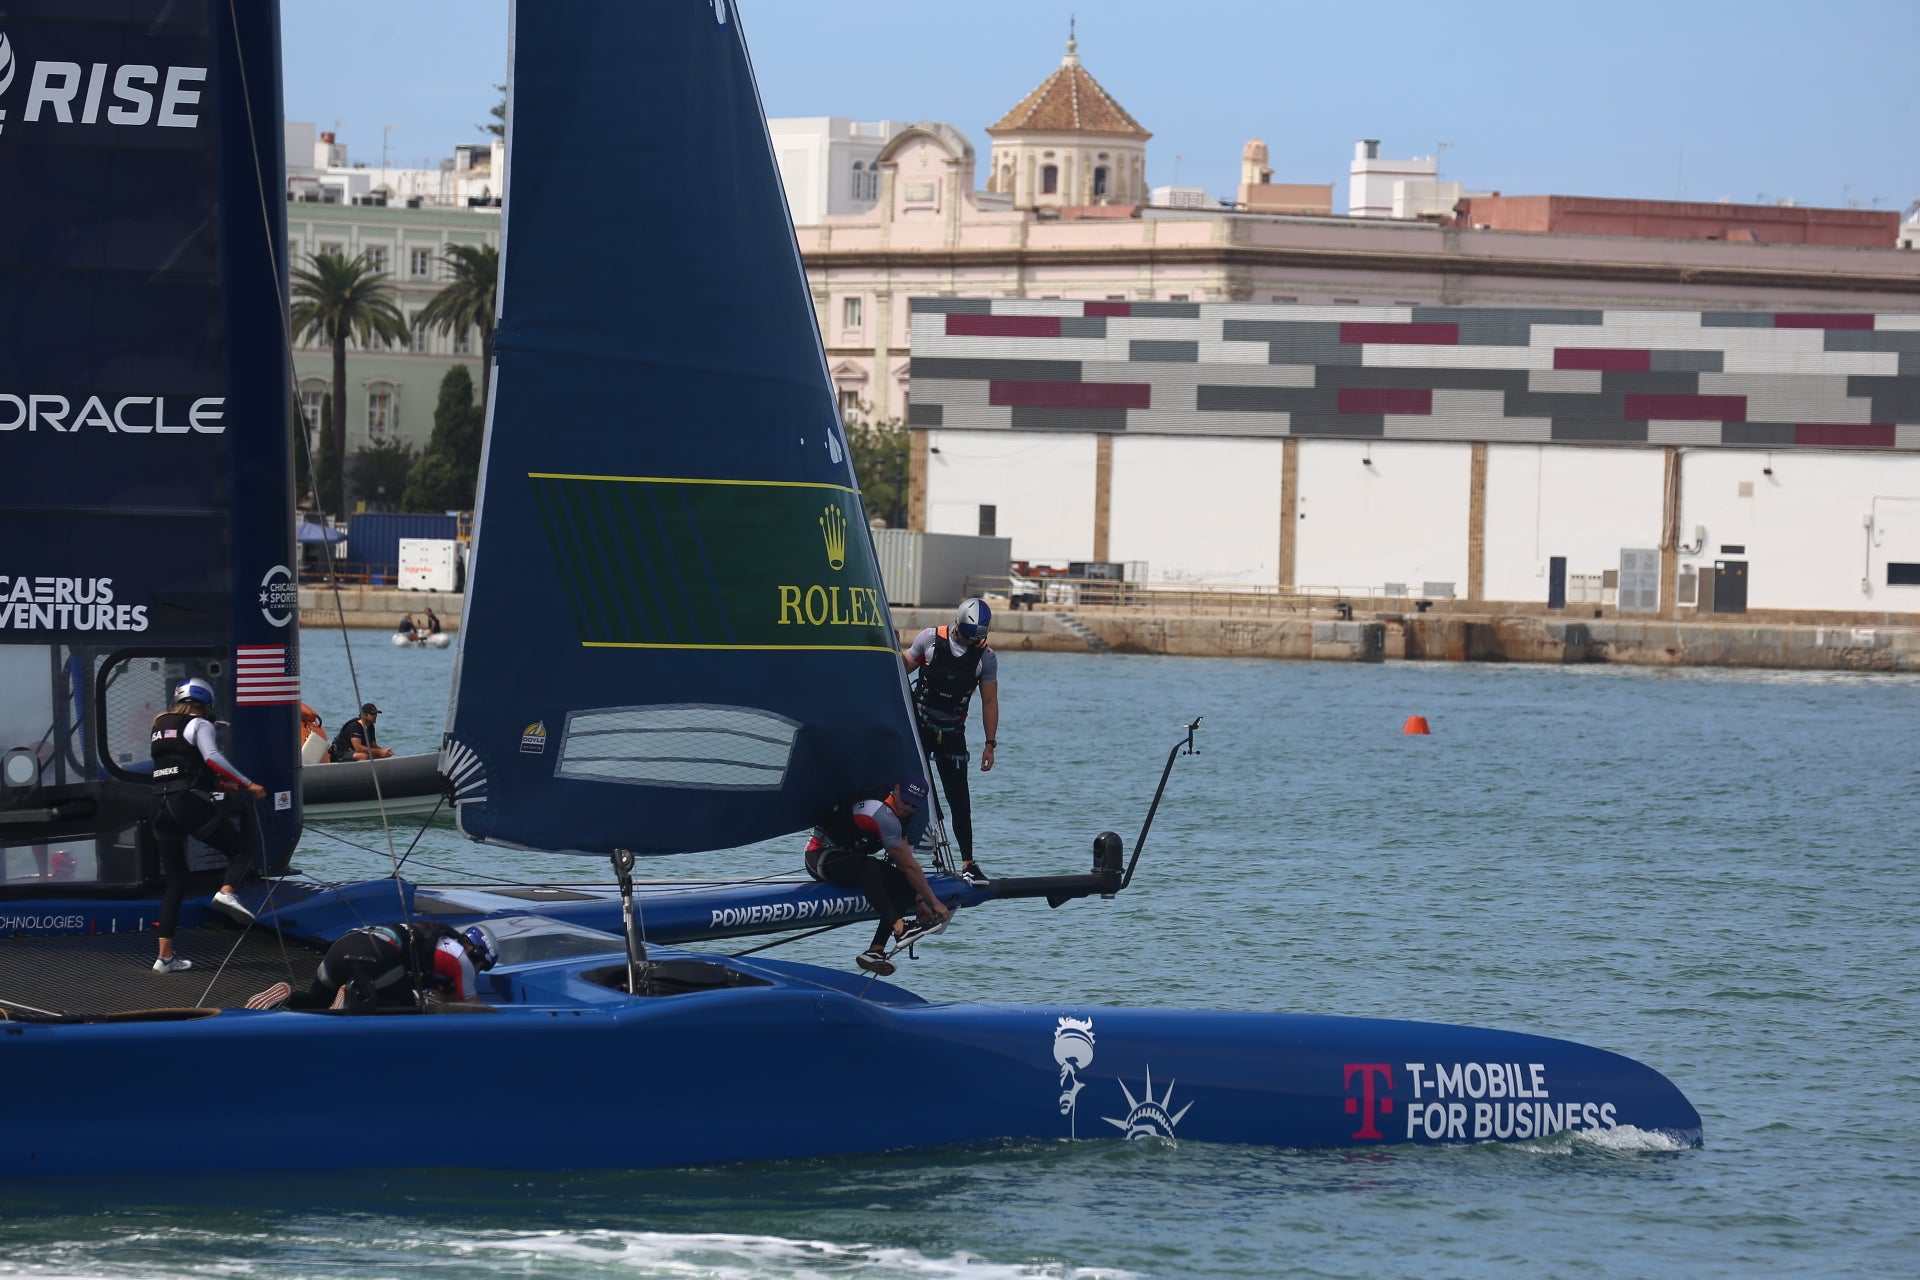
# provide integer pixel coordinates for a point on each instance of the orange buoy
(1416, 724)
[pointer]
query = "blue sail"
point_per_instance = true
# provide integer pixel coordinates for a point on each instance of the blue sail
(144, 415)
(675, 633)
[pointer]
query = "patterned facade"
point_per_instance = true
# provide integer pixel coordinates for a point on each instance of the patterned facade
(1750, 379)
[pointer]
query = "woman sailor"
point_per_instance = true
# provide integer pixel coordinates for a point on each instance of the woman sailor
(187, 767)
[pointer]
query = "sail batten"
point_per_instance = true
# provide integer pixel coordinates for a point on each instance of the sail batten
(677, 637)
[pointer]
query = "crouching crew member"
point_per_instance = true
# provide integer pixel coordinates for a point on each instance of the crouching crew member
(844, 851)
(187, 769)
(952, 662)
(376, 967)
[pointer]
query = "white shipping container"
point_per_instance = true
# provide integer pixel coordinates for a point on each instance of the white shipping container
(427, 564)
(932, 569)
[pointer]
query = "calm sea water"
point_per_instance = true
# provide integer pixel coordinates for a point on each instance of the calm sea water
(1712, 872)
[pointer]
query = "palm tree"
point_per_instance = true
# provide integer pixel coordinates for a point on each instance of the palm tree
(336, 298)
(468, 302)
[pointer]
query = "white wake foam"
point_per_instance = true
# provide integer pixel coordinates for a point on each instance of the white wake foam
(729, 1256)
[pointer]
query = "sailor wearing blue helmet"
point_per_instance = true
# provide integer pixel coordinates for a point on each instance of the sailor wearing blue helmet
(952, 662)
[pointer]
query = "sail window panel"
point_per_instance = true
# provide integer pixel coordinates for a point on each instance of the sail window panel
(694, 745)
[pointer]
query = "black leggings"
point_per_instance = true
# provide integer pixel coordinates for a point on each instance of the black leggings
(373, 973)
(885, 885)
(948, 747)
(187, 813)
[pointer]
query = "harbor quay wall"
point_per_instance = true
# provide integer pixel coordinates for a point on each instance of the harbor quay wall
(1451, 637)
(375, 606)
(1440, 637)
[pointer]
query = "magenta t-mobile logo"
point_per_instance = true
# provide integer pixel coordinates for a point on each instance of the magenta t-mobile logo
(1369, 1104)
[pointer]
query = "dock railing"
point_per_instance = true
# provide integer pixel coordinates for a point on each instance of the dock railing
(1185, 599)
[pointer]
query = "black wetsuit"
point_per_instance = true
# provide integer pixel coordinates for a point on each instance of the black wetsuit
(354, 730)
(183, 805)
(374, 966)
(849, 848)
(942, 690)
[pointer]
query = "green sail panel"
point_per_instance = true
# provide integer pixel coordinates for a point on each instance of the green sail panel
(653, 563)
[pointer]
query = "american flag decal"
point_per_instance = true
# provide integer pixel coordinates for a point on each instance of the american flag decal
(261, 677)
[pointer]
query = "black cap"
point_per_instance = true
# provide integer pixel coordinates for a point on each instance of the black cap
(368, 706)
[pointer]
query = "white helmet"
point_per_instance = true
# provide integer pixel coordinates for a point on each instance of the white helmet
(971, 620)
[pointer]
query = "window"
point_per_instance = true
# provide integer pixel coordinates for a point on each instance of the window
(849, 402)
(865, 184)
(311, 398)
(382, 406)
(1049, 179)
(1284, 297)
(850, 314)
(377, 257)
(1903, 575)
(463, 343)
(1116, 297)
(1099, 181)
(1347, 302)
(1177, 297)
(989, 517)
(332, 246)
(420, 263)
(419, 343)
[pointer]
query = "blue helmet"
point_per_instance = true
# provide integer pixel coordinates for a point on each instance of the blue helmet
(971, 620)
(194, 689)
(482, 942)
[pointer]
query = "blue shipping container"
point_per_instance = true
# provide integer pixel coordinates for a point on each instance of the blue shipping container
(373, 539)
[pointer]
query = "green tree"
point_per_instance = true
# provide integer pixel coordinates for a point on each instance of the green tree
(337, 299)
(445, 477)
(468, 302)
(379, 474)
(499, 113)
(880, 466)
(326, 460)
(298, 436)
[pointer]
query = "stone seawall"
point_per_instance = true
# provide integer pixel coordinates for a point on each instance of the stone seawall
(1451, 637)
(375, 607)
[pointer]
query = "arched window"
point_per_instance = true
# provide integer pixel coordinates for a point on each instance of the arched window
(859, 187)
(1049, 179)
(383, 411)
(1099, 181)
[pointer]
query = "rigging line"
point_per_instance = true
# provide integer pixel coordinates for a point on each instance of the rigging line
(48, 1013)
(260, 848)
(781, 942)
(421, 832)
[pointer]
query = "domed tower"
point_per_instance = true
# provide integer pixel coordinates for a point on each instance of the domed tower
(1068, 143)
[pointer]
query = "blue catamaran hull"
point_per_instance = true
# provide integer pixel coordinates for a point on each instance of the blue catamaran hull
(563, 1071)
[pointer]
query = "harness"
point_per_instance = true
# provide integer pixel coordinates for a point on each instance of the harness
(177, 764)
(945, 683)
(840, 830)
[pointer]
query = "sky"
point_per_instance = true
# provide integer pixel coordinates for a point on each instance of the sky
(1754, 101)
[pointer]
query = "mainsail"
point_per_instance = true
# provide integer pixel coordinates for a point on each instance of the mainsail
(144, 413)
(675, 636)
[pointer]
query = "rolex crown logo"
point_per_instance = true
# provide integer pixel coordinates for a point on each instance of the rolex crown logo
(833, 527)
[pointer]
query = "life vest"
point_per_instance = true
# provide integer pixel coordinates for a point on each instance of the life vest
(842, 832)
(946, 683)
(177, 763)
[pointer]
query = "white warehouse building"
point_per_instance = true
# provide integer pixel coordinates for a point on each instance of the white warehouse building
(1677, 464)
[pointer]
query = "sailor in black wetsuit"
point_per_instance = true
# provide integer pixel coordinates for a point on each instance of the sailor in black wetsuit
(433, 622)
(187, 767)
(845, 850)
(953, 662)
(392, 966)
